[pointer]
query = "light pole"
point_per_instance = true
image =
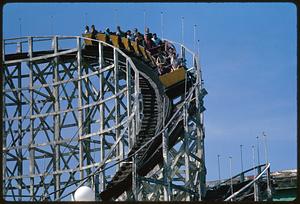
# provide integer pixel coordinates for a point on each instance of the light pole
(266, 150)
(195, 37)
(116, 17)
(231, 184)
(182, 29)
(268, 171)
(254, 185)
(20, 27)
(52, 25)
(242, 174)
(258, 162)
(85, 14)
(219, 169)
(198, 48)
(144, 19)
(19, 45)
(162, 24)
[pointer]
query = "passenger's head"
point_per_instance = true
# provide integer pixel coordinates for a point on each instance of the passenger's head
(87, 27)
(92, 27)
(118, 28)
(107, 30)
(128, 32)
(154, 35)
(135, 30)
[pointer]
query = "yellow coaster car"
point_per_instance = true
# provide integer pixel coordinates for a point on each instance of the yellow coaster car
(88, 35)
(172, 78)
(115, 40)
(101, 37)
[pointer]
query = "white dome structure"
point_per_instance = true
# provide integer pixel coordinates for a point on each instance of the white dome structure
(84, 193)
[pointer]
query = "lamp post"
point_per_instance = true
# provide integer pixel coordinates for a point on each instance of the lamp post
(242, 169)
(266, 150)
(269, 192)
(162, 24)
(52, 25)
(198, 48)
(195, 37)
(219, 169)
(20, 27)
(254, 185)
(116, 17)
(258, 161)
(85, 14)
(19, 45)
(144, 19)
(231, 184)
(182, 29)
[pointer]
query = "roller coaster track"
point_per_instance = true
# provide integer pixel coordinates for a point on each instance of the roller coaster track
(248, 185)
(148, 118)
(244, 189)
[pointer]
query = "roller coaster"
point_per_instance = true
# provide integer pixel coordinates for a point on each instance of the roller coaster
(95, 111)
(82, 111)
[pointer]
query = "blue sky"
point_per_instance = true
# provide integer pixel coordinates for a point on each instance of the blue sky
(248, 59)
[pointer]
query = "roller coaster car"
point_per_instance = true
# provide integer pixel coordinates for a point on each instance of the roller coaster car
(116, 41)
(151, 58)
(174, 82)
(135, 46)
(102, 37)
(126, 43)
(172, 78)
(86, 41)
(99, 36)
(143, 51)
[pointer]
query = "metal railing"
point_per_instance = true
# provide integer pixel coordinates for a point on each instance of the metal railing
(249, 184)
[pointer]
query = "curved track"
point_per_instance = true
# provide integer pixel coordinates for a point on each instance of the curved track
(152, 92)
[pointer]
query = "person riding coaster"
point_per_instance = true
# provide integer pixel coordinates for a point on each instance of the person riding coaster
(164, 52)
